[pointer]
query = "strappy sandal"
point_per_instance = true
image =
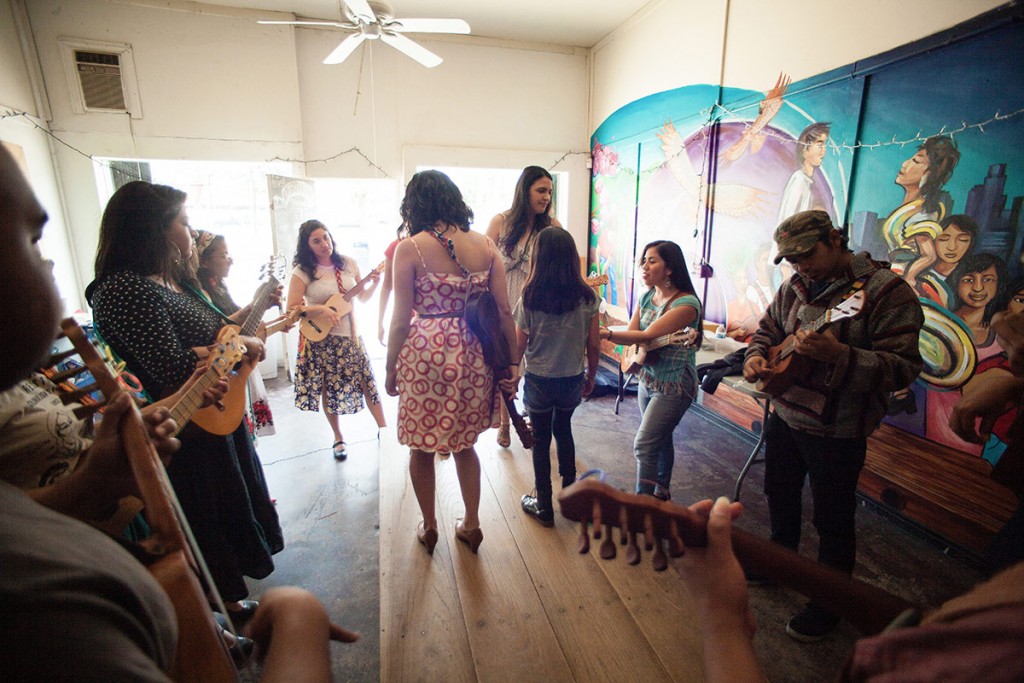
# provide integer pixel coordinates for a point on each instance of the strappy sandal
(504, 436)
(340, 453)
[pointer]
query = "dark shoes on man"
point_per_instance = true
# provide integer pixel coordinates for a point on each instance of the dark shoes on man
(812, 624)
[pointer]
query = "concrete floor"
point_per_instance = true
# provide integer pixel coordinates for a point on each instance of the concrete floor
(329, 512)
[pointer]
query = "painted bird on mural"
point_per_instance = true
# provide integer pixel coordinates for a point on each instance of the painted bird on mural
(731, 199)
(754, 136)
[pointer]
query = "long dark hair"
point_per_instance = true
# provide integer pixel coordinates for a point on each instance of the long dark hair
(976, 263)
(554, 284)
(133, 232)
(672, 255)
(214, 285)
(942, 158)
(519, 216)
(432, 197)
(304, 256)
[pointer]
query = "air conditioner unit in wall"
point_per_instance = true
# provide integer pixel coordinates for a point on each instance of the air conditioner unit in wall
(99, 76)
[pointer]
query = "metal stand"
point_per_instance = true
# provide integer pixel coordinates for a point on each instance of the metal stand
(752, 459)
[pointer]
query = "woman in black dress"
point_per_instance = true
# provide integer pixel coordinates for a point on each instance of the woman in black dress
(149, 309)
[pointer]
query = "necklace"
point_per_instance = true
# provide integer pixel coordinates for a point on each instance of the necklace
(450, 247)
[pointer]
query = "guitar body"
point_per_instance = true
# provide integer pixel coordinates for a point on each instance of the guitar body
(633, 359)
(223, 422)
(786, 366)
(482, 319)
(317, 327)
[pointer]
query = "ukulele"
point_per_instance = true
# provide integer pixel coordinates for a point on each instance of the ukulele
(483, 320)
(633, 357)
(316, 327)
(785, 365)
(222, 422)
(590, 501)
(597, 280)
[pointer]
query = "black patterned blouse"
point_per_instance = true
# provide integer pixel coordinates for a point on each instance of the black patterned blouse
(153, 328)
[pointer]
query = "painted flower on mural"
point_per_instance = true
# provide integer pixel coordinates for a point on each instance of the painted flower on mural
(606, 160)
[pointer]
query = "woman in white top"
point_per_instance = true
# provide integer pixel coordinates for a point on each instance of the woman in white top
(514, 231)
(336, 370)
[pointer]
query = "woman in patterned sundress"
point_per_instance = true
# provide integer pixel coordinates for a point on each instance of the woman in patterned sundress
(514, 231)
(334, 371)
(447, 395)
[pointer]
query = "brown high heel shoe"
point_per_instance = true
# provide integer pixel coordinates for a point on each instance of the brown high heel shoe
(473, 537)
(428, 537)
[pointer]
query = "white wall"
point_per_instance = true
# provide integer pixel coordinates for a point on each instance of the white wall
(674, 43)
(215, 85)
(28, 133)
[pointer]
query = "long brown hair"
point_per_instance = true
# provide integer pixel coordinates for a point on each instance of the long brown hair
(133, 232)
(519, 217)
(304, 256)
(554, 285)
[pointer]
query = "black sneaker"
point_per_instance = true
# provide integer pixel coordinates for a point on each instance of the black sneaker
(531, 506)
(812, 624)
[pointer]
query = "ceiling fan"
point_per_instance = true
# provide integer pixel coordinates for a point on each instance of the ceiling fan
(372, 20)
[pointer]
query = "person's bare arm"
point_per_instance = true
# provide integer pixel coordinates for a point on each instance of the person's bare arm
(385, 293)
(404, 278)
(715, 580)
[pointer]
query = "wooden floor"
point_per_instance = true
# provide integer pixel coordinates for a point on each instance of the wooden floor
(528, 607)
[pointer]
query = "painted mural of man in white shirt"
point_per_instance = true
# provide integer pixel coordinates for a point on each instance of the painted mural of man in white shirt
(810, 151)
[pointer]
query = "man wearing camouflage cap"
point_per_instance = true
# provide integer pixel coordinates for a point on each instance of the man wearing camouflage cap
(821, 421)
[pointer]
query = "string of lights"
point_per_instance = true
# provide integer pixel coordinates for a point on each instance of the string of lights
(919, 138)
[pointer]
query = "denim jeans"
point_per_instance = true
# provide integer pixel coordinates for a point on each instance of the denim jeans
(660, 412)
(551, 402)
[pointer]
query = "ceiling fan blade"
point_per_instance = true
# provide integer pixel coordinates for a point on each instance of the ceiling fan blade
(305, 23)
(344, 49)
(361, 8)
(429, 26)
(412, 49)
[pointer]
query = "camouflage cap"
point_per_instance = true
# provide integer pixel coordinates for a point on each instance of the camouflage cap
(800, 232)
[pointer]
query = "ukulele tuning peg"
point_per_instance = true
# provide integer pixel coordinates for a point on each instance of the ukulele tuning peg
(584, 540)
(648, 531)
(608, 545)
(595, 517)
(632, 550)
(658, 560)
(624, 532)
(675, 543)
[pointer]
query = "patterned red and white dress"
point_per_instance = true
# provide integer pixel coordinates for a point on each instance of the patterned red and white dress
(446, 390)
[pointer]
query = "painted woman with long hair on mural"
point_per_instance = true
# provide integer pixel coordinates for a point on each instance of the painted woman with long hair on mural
(912, 228)
(514, 231)
(668, 377)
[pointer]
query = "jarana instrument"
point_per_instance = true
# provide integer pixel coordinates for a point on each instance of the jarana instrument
(785, 365)
(592, 502)
(316, 327)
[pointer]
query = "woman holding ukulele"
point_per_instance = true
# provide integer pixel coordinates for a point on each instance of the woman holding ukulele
(334, 371)
(515, 231)
(557, 326)
(148, 308)
(668, 377)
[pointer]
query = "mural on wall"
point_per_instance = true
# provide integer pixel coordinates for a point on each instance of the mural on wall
(929, 178)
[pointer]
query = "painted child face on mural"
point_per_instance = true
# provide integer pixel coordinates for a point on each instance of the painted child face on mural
(913, 170)
(540, 195)
(814, 151)
(976, 290)
(952, 244)
(1016, 304)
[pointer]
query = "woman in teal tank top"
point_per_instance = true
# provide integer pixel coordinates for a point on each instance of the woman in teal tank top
(668, 377)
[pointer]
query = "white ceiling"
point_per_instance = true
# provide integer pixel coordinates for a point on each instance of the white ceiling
(580, 23)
